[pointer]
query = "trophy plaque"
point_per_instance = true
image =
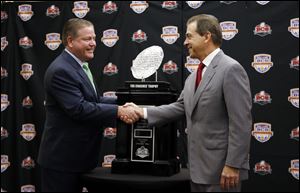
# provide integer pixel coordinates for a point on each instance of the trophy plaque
(140, 148)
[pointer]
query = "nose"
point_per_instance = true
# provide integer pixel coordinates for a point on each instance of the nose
(185, 42)
(93, 43)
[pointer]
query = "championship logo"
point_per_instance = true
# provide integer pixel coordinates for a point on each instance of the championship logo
(262, 63)
(84, 189)
(4, 133)
(294, 97)
(110, 69)
(294, 134)
(80, 8)
(170, 34)
(169, 5)
(295, 63)
(139, 36)
(109, 7)
(52, 40)
(192, 64)
(4, 73)
(25, 12)
(262, 168)
(170, 67)
(195, 4)
(25, 42)
(294, 27)
(52, 11)
(107, 160)
(227, 2)
(26, 71)
(111, 94)
(28, 131)
(28, 188)
(28, 163)
(27, 102)
(4, 43)
(262, 132)
(142, 152)
(4, 16)
(139, 6)
(294, 169)
(110, 132)
(262, 98)
(4, 102)
(262, 29)
(110, 37)
(4, 163)
(262, 2)
(229, 29)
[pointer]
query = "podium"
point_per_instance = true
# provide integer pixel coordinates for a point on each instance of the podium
(142, 149)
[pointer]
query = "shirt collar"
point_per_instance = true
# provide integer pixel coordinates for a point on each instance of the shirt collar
(75, 58)
(210, 57)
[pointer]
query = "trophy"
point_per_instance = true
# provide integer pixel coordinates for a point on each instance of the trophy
(140, 148)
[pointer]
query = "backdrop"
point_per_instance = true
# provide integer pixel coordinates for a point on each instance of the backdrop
(261, 35)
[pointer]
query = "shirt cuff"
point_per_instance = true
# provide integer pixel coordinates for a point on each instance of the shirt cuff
(145, 113)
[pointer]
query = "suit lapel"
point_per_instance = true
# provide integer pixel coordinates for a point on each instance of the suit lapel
(87, 81)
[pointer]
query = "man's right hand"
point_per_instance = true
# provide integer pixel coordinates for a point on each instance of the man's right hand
(130, 113)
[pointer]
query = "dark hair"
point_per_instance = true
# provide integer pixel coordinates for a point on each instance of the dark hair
(208, 23)
(72, 26)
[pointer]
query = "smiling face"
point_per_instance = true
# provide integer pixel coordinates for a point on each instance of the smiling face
(83, 44)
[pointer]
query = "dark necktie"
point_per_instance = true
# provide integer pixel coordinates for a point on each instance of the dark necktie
(199, 74)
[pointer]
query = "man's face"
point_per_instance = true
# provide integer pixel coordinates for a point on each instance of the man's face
(84, 44)
(193, 41)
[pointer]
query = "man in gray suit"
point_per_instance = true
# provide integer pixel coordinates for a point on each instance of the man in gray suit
(217, 103)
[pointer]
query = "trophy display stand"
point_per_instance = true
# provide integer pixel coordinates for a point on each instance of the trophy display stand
(143, 149)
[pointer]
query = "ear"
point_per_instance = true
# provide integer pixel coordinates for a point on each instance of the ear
(207, 36)
(70, 41)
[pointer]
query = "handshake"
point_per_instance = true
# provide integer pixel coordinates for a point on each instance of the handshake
(130, 113)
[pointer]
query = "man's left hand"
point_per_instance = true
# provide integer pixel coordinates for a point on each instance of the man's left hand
(230, 177)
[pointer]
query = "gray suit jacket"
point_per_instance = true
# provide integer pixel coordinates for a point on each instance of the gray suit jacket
(218, 119)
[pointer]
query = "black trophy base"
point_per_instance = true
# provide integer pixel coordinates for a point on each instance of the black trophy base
(156, 168)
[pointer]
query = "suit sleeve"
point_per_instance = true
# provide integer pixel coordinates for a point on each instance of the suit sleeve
(238, 101)
(67, 92)
(166, 113)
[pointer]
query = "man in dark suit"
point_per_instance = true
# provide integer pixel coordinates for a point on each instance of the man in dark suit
(216, 101)
(75, 113)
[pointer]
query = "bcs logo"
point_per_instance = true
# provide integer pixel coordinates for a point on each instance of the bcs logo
(262, 2)
(52, 40)
(229, 29)
(25, 42)
(262, 168)
(262, 132)
(28, 131)
(262, 29)
(4, 73)
(4, 43)
(294, 134)
(28, 188)
(170, 34)
(80, 8)
(294, 169)
(4, 102)
(192, 64)
(170, 67)
(110, 37)
(262, 63)
(110, 132)
(111, 94)
(295, 63)
(4, 163)
(110, 69)
(26, 71)
(107, 160)
(28, 163)
(262, 98)
(294, 27)
(52, 11)
(139, 6)
(294, 97)
(25, 12)
(139, 36)
(4, 16)
(4, 133)
(109, 7)
(169, 5)
(195, 4)
(27, 102)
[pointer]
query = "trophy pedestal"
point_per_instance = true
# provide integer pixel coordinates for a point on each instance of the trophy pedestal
(139, 148)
